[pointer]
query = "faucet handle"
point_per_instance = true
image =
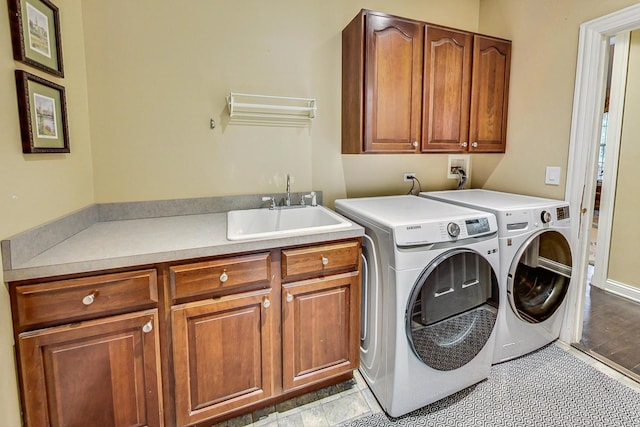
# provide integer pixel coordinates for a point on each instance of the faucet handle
(272, 199)
(311, 196)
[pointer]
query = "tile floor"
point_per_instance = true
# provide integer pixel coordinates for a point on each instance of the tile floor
(352, 400)
(357, 400)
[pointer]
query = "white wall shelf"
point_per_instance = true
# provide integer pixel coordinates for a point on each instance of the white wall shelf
(271, 109)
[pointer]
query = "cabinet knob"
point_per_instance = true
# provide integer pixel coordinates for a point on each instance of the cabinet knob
(289, 297)
(224, 277)
(325, 260)
(414, 143)
(89, 299)
(474, 144)
(148, 327)
(464, 144)
(266, 303)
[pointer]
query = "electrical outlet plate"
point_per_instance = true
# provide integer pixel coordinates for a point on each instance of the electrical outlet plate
(407, 175)
(462, 161)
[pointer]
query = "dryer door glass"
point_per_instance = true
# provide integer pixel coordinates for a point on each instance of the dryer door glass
(539, 276)
(452, 309)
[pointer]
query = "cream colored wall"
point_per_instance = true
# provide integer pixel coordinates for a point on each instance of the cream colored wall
(37, 188)
(545, 40)
(625, 234)
(157, 73)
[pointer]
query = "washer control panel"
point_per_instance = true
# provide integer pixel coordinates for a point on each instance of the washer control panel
(444, 230)
(477, 226)
(453, 229)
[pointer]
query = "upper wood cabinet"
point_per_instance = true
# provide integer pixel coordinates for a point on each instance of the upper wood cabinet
(381, 84)
(489, 94)
(447, 89)
(409, 86)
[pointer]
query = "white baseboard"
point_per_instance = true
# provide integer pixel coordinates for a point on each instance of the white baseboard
(622, 289)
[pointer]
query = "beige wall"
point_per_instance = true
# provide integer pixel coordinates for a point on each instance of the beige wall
(625, 235)
(158, 75)
(545, 45)
(37, 188)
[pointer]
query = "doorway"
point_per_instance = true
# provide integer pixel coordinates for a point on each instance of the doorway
(582, 182)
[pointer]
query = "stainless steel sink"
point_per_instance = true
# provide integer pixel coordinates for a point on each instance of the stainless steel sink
(263, 223)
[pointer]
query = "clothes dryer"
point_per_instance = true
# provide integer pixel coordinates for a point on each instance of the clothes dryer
(535, 265)
(430, 297)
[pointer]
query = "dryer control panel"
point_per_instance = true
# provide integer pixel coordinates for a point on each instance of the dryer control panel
(516, 221)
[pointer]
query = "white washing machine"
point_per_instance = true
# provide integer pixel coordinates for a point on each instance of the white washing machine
(535, 265)
(429, 298)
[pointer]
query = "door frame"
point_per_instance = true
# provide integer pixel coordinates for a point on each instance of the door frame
(586, 121)
(614, 133)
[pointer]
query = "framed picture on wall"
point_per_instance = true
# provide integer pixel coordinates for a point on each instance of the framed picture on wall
(35, 34)
(43, 115)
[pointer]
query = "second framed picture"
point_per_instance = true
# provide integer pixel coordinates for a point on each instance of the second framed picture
(43, 115)
(35, 34)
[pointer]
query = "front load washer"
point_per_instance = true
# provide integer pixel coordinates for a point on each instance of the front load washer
(535, 265)
(430, 297)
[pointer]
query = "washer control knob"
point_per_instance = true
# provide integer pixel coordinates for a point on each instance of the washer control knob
(453, 229)
(545, 217)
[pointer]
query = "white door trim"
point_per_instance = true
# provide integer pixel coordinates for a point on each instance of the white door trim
(585, 133)
(614, 133)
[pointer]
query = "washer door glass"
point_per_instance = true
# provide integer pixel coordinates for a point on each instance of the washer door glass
(452, 309)
(539, 276)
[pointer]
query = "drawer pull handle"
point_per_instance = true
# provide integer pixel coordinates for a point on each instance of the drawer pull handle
(224, 277)
(289, 297)
(266, 303)
(325, 260)
(148, 327)
(89, 299)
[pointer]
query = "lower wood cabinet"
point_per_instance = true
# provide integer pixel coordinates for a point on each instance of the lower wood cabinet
(254, 347)
(319, 329)
(102, 372)
(187, 343)
(222, 354)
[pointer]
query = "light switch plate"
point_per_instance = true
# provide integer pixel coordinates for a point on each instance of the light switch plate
(552, 175)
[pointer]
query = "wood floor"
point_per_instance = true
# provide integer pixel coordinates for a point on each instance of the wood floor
(611, 331)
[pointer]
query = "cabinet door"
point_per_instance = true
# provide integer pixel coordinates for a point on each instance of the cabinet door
(393, 84)
(222, 354)
(320, 328)
(102, 372)
(489, 94)
(447, 87)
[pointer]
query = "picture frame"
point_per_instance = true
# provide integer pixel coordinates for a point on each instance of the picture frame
(43, 115)
(35, 34)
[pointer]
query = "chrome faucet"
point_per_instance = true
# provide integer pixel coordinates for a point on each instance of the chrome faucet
(287, 200)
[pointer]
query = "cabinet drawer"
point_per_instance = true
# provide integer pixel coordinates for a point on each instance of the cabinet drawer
(220, 276)
(66, 301)
(320, 260)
